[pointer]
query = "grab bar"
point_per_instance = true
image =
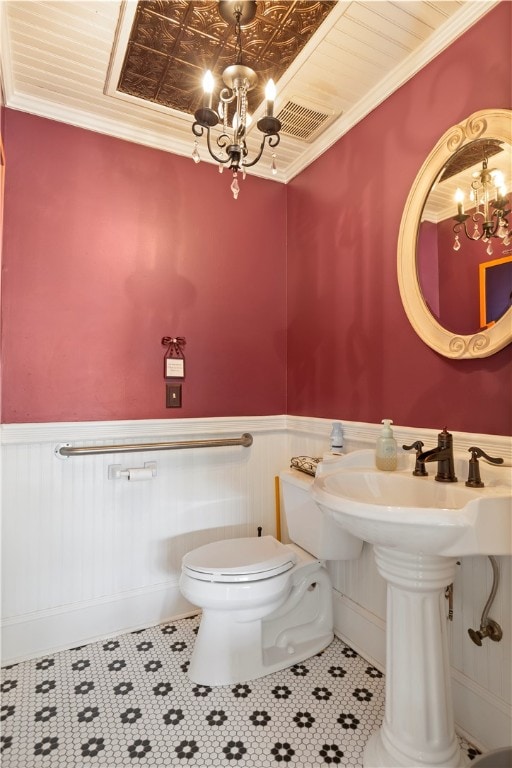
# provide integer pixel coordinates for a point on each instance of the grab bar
(66, 450)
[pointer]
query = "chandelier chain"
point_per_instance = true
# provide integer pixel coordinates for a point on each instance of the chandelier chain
(238, 33)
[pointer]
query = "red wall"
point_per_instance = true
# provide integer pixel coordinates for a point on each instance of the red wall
(459, 294)
(352, 353)
(427, 261)
(109, 246)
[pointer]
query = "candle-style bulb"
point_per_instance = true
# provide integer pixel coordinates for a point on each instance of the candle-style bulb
(459, 199)
(499, 183)
(270, 96)
(270, 90)
(208, 84)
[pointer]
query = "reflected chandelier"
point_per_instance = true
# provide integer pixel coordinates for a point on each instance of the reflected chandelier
(238, 79)
(488, 197)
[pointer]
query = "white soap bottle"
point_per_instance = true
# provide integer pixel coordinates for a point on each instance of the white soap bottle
(385, 449)
(336, 438)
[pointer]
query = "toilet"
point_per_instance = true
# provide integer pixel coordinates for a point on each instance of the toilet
(265, 605)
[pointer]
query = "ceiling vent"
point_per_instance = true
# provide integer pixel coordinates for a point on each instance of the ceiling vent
(302, 121)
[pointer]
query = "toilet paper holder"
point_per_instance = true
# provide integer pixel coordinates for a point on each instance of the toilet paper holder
(148, 471)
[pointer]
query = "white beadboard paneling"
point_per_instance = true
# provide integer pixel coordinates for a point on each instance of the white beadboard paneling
(362, 630)
(359, 581)
(489, 664)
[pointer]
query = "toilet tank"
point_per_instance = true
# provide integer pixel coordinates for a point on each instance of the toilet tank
(310, 527)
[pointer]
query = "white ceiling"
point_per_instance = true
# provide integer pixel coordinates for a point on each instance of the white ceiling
(59, 59)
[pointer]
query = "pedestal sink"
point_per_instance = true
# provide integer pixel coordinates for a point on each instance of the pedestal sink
(418, 528)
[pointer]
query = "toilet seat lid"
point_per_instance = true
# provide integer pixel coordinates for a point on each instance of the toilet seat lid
(234, 560)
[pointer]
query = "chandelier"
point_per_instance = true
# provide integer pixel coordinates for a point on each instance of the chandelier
(231, 147)
(489, 200)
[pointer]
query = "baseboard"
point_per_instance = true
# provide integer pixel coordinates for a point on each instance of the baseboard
(55, 629)
(483, 719)
(480, 717)
(361, 630)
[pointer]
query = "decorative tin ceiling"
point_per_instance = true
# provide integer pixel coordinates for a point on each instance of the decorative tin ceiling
(471, 154)
(173, 42)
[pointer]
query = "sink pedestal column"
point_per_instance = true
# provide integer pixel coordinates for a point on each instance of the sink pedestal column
(418, 727)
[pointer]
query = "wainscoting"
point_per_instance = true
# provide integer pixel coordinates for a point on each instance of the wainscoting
(86, 557)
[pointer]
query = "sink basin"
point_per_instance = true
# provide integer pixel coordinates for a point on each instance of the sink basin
(418, 514)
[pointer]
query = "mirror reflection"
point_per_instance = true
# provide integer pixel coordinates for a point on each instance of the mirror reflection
(464, 248)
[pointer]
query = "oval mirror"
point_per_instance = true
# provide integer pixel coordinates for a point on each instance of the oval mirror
(456, 289)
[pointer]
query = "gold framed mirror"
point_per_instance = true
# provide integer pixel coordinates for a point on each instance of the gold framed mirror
(450, 337)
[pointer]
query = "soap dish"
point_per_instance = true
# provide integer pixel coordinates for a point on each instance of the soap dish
(305, 464)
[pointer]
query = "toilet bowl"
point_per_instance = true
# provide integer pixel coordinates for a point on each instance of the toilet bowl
(265, 605)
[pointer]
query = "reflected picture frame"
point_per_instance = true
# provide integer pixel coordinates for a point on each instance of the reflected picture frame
(495, 286)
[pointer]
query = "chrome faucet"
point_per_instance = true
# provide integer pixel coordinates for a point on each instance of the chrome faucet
(443, 454)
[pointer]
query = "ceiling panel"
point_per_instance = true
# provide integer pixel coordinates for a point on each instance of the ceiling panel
(62, 60)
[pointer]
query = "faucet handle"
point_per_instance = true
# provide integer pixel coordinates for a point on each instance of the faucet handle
(419, 467)
(474, 480)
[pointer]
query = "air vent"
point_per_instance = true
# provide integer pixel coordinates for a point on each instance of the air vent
(301, 121)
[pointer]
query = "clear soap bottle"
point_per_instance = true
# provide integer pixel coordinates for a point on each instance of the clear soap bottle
(386, 449)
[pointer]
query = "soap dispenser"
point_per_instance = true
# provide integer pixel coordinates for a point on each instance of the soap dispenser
(385, 449)
(336, 438)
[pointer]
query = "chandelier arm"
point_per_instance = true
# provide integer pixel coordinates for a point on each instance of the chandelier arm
(491, 229)
(492, 232)
(486, 232)
(225, 97)
(222, 141)
(462, 225)
(210, 150)
(253, 162)
(273, 141)
(198, 129)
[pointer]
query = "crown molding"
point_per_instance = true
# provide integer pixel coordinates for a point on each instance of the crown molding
(6, 83)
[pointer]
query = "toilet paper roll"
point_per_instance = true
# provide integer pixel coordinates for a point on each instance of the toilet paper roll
(140, 473)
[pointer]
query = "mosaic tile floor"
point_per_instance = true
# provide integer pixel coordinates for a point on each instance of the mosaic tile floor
(128, 701)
